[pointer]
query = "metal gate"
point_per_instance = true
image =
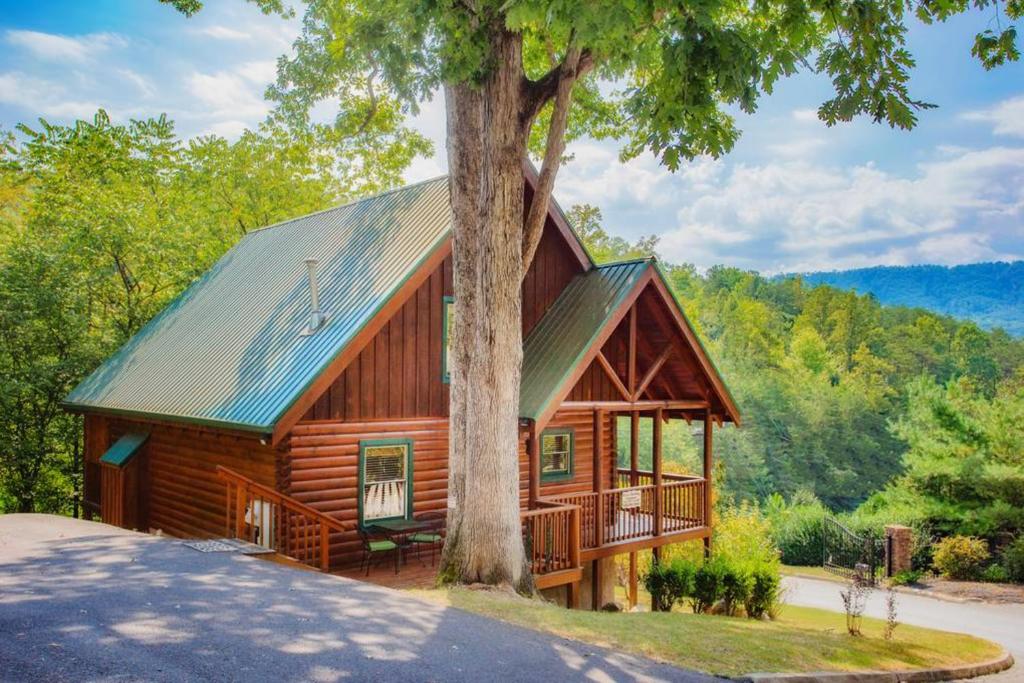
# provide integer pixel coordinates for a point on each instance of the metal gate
(850, 555)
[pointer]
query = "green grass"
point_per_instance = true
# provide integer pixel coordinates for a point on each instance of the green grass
(812, 572)
(801, 639)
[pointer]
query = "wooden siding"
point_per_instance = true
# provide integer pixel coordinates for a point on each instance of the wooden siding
(398, 374)
(582, 424)
(322, 470)
(177, 489)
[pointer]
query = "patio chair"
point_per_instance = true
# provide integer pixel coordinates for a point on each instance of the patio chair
(431, 536)
(376, 546)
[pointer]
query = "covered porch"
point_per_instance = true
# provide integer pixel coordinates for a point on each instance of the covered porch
(631, 355)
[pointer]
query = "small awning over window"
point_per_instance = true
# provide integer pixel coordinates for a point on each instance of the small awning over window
(120, 454)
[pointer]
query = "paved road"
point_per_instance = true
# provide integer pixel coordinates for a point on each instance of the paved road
(1003, 624)
(86, 602)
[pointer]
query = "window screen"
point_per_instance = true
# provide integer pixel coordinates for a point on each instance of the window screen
(385, 479)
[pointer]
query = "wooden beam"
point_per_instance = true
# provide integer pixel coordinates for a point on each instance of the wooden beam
(708, 428)
(632, 350)
(634, 447)
(533, 453)
(612, 375)
(626, 406)
(656, 470)
(599, 480)
(653, 370)
(352, 350)
(650, 542)
(633, 592)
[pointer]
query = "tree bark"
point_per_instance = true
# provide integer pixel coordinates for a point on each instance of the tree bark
(486, 150)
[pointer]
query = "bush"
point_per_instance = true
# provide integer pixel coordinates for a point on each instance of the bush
(737, 583)
(960, 557)
(1013, 560)
(764, 593)
(906, 577)
(995, 573)
(668, 583)
(707, 585)
(796, 528)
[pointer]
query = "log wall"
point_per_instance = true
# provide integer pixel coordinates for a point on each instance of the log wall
(582, 424)
(322, 470)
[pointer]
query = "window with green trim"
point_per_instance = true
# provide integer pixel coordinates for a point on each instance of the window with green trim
(385, 479)
(448, 319)
(557, 451)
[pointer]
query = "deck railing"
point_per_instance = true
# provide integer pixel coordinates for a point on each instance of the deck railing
(624, 477)
(551, 534)
(630, 512)
(259, 514)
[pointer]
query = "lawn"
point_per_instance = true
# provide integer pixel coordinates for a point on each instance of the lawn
(802, 639)
(812, 573)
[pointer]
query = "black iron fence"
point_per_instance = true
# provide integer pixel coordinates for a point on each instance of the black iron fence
(851, 555)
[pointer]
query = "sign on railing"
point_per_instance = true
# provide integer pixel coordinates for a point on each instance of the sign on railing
(629, 499)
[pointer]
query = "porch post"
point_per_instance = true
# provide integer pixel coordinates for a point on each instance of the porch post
(708, 427)
(656, 471)
(533, 454)
(633, 592)
(634, 447)
(599, 478)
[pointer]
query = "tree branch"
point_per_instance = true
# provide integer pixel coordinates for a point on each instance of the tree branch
(568, 72)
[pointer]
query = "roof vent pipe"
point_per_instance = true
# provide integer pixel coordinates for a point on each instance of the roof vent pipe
(316, 317)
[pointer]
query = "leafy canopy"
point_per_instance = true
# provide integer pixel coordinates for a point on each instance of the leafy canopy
(661, 75)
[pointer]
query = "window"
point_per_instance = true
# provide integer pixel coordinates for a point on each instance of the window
(448, 319)
(385, 479)
(556, 454)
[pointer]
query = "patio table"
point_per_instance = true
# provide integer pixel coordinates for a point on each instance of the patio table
(398, 530)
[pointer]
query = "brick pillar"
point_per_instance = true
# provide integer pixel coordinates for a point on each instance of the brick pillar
(899, 546)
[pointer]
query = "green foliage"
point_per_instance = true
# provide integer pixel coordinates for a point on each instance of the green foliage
(796, 527)
(765, 593)
(994, 573)
(668, 582)
(708, 585)
(1013, 560)
(737, 585)
(906, 578)
(960, 557)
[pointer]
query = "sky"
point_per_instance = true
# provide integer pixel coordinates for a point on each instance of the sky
(793, 196)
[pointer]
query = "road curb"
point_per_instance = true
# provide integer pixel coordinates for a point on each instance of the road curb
(1001, 663)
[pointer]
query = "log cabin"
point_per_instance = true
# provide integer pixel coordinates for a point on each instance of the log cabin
(298, 391)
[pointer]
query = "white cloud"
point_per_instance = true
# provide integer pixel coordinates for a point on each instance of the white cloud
(224, 33)
(143, 84)
(54, 47)
(228, 95)
(797, 148)
(43, 97)
(798, 215)
(805, 115)
(595, 176)
(1006, 117)
(260, 72)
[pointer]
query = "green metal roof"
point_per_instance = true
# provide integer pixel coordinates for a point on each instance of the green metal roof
(569, 328)
(124, 448)
(228, 352)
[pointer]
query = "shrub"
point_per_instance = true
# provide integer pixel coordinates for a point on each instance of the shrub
(995, 573)
(796, 527)
(737, 583)
(764, 593)
(906, 577)
(668, 582)
(707, 585)
(960, 557)
(1013, 560)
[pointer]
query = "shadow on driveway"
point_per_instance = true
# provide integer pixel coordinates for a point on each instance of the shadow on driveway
(86, 601)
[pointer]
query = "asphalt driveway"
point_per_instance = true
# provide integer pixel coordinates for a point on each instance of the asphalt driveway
(88, 602)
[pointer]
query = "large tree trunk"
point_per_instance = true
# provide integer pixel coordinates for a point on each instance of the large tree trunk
(486, 149)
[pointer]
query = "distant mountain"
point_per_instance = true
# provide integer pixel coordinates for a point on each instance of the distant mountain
(991, 294)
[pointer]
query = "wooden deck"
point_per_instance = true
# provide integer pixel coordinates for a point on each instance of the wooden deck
(413, 574)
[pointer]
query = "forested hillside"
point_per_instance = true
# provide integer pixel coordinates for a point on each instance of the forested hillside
(990, 294)
(822, 375)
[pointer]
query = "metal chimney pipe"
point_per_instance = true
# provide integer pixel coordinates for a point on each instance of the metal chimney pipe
(316, 318)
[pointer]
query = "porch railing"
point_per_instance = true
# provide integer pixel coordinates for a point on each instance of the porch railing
(551, 534)
(259, 514)
(629, 513)
(624, 477)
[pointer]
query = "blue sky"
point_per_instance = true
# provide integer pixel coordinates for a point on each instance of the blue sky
(793, 196)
